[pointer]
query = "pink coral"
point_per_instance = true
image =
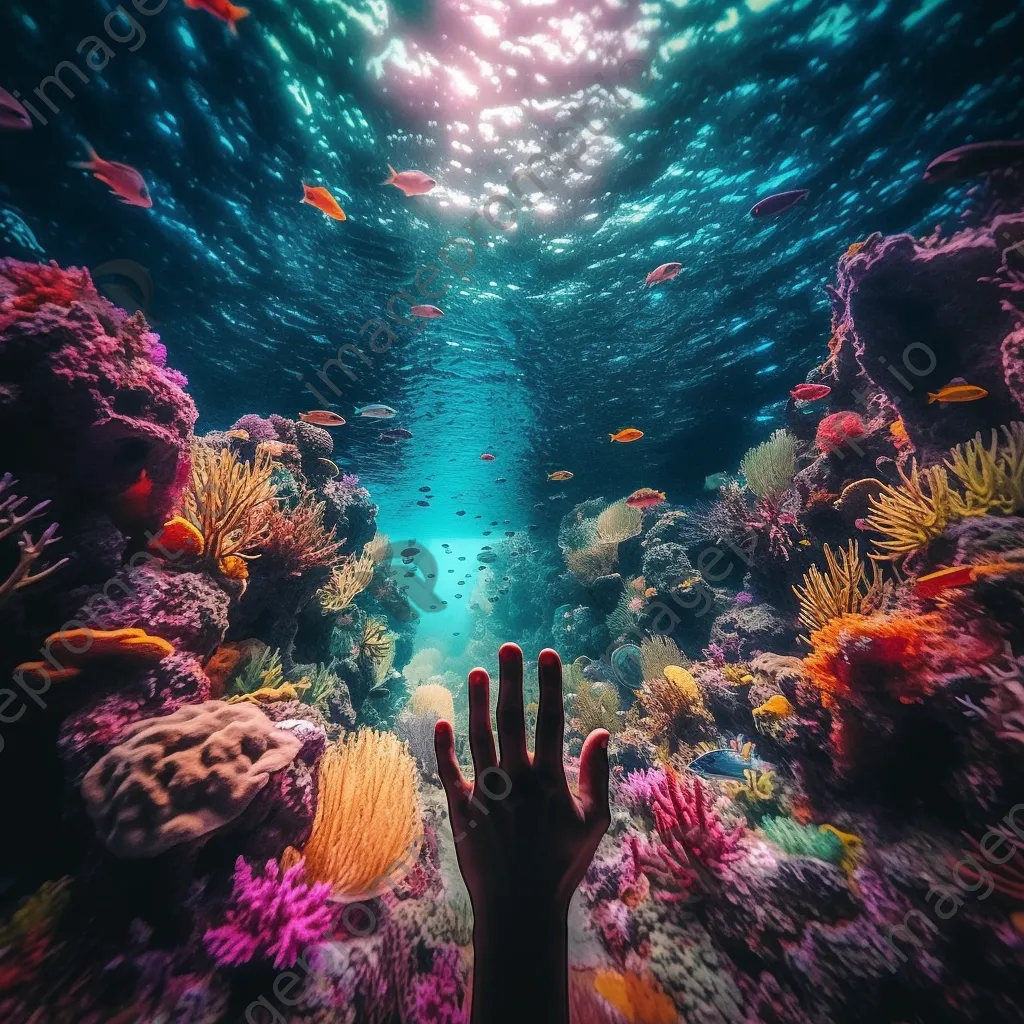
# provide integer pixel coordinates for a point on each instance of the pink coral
(274, 916)
(837, 430)
(693, 841)
(440, 994)
(34, 285)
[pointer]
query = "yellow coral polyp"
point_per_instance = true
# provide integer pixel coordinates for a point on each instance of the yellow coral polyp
(684, 682)
(233, 567)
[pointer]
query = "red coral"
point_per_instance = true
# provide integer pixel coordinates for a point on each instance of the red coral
(36, 284)
(835, 430)
(693, 842)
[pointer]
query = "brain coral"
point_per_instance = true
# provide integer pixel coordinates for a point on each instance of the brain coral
(173, 780)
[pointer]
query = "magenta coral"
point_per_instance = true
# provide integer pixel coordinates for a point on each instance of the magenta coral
(440, 995)
(275, 916)
(693, 841)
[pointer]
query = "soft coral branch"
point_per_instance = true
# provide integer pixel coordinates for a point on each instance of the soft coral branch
(12, 519)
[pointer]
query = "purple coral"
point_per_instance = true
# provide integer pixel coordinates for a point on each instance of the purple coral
(274, 916)
(12, 519)
(693, 841)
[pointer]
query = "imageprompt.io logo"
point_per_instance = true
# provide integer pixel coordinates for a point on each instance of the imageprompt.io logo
(126, 284)
(414, 572)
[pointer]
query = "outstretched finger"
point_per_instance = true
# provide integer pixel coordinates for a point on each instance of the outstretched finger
(550, 712)
(481, 739)
(455, 786)
(511, 720)
(594, 779)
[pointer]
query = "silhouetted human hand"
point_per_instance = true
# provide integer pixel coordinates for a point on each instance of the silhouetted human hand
(523, 840)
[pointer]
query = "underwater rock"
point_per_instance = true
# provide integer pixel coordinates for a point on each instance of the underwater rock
(929, 315)
(188, 609)
(1013, 364)
(91, 398)
(175, 779)
(578, 630)
(754, 628)
(350, 511)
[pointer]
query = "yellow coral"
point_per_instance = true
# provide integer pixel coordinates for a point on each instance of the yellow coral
(769, 468)
(432, 698)
(619, 522)
(853, 848)
(346, 583)
(589, 564)
(777, 706)
(270, 694)
(367, 827)
(233, 567)
(378, 548)
(668, 700)
(639, 999)
(229, 501)
(658, 651)
(378, 645)
(736, 674)
(843, 589)
(758, 787)
(596, 706)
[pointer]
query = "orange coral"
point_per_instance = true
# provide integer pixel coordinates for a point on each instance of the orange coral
(81, 645)
(639, 999)
(178, 537)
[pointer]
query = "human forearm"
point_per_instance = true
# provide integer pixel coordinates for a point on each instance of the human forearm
(520, 970)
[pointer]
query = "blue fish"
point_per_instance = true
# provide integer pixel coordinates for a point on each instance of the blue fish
(725, 764)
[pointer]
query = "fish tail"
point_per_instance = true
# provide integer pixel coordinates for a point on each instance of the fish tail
(392, 174)
(932, 398)
(194, 4)
(93, 160)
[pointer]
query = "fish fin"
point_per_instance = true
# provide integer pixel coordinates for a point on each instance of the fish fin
(932, 398)
(392, 174)
(238, 13)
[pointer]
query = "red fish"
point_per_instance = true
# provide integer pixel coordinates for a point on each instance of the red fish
(412, 183)
(960, 576)
(124, 181)
(318, 196)
(222, 9)
(322, 418)
(774, 205)
(428, 312)
(663, 273)
(487, 457)
(811, 392)
(645, 497)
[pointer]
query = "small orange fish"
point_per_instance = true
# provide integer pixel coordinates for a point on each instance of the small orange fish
(222, 9)
(645, 497)
(322, 418)
(629, 434)
(958, 392)
(318, 196)
(124, 180)
(936, 583)
(561, 474)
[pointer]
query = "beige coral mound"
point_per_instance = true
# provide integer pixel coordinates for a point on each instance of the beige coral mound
(432, 698)
(367, 828)
(174, 779)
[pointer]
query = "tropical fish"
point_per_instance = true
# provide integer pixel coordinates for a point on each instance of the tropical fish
(412, 183)
(322, 418)
(330, 468)
(645, 497)
(961, 576)
(488, 457)
(376, 412)
(461, 512)
(134, 501)
(774, 205)
(499, 480)
(318, 196)
(560, 474)
(627, 435)
(974, 159)
(957, 391)
(663, 273)
(428, 312)
(222, 9)
(398, 434)
(13, 116)
(725, 764)
(805, 543)
(425, 489)
(898, 430)
(379, 692)
(124, 181)
(811, 392)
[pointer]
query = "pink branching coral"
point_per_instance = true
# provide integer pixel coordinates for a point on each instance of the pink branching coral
(274, 916)
(773, 523)
(440, 994)
(693, 841)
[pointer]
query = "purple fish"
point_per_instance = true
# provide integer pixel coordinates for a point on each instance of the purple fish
(13, 116)
(973, 160)
(774, 205)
